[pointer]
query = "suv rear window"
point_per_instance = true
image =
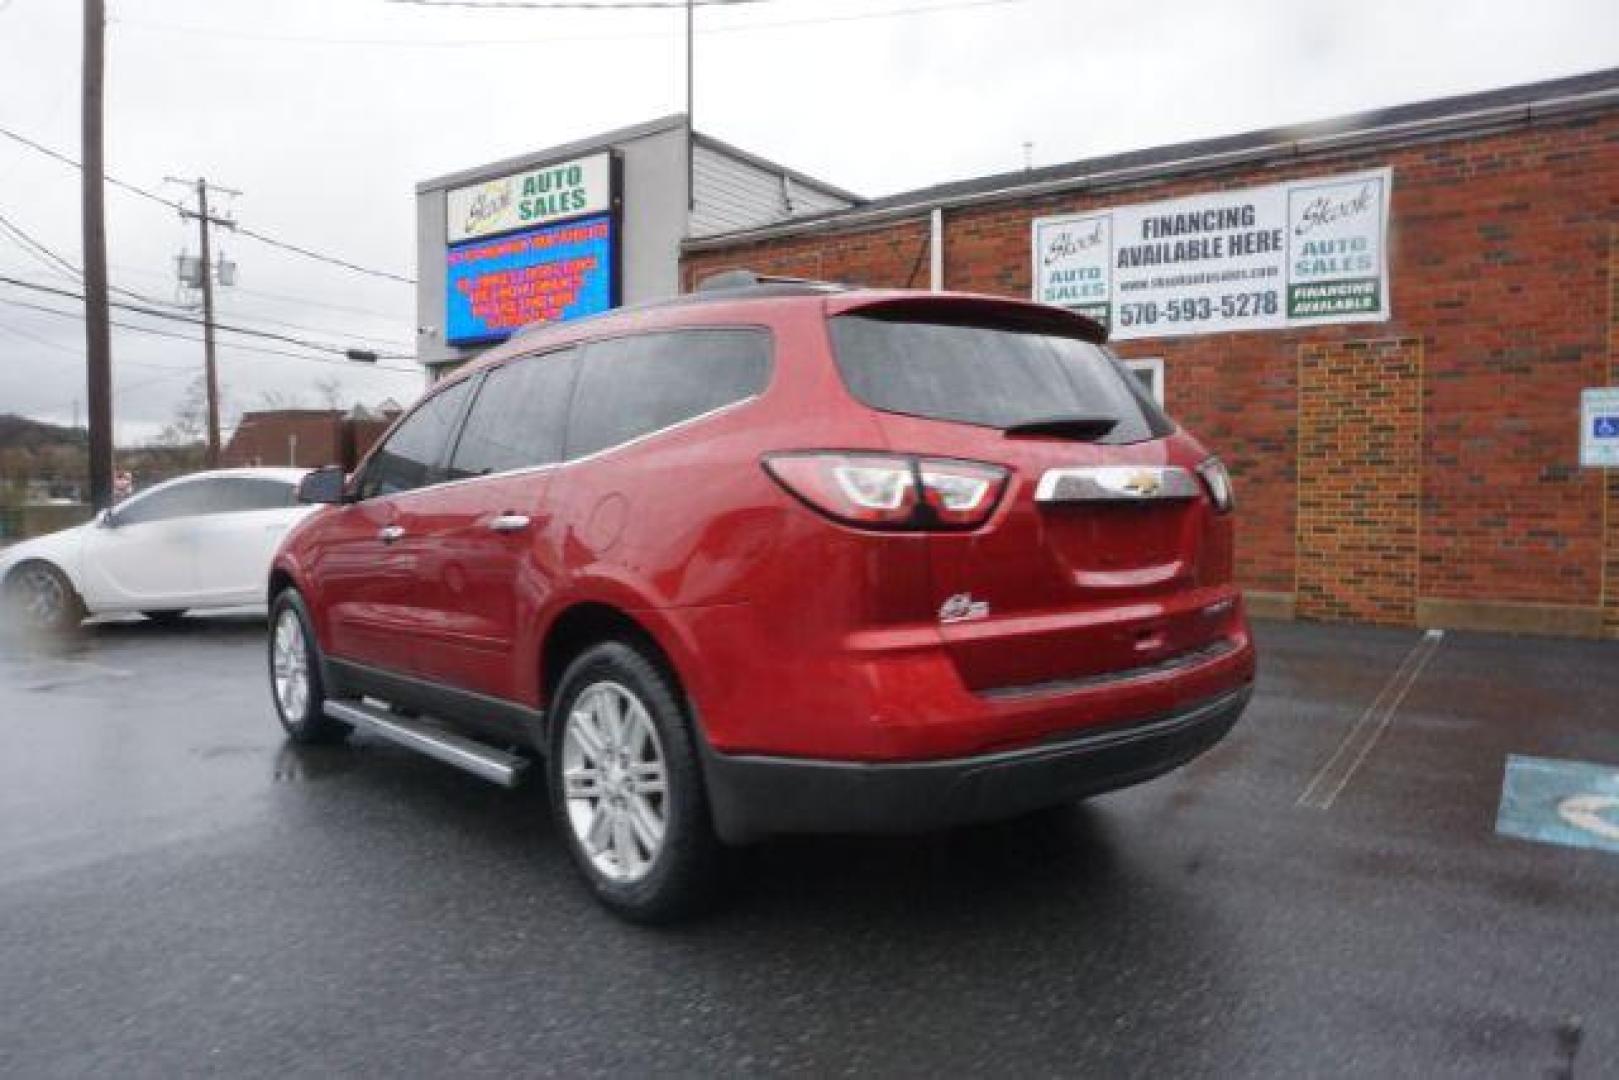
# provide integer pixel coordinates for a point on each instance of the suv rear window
(989, 374)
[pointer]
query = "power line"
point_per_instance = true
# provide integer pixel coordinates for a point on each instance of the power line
(242, 230)
(288, 298)
(367, 338)
(177, 317)
(62, 265)
(578, 5)
(40, 253)
(254, 317)
(180, 209)
(524, 41)
(158, 332)
(47, 343)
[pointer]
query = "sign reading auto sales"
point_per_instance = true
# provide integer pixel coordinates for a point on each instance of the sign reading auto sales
(523, 200)
(1300, 253)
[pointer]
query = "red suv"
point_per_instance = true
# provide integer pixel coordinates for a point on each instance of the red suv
(770, 558)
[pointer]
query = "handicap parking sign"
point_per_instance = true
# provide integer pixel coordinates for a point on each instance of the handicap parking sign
(1599, 428)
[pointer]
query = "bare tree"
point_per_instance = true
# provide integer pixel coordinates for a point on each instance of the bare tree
(280, 399)
(187, 433)
(329, 392)
(190, 422)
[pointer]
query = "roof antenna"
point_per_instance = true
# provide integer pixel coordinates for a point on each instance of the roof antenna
(1028, 156)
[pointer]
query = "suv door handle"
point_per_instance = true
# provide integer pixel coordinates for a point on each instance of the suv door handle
(509, 523)
(389, 533)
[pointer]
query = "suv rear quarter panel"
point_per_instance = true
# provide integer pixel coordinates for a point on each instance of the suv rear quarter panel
(686, 532)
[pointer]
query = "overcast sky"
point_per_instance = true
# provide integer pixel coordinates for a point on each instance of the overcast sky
(326, 112)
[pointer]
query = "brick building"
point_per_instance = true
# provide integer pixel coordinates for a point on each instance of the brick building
(1419, 468)
(306, 438)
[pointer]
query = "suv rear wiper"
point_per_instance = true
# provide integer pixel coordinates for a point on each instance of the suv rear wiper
(1086, 427)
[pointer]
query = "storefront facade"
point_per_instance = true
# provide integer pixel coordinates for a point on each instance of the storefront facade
(574, 230)
(1384, 324)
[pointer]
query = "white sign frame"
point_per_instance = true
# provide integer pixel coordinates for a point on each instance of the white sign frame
(1599, 451)
(528, 199)
(1308, 252)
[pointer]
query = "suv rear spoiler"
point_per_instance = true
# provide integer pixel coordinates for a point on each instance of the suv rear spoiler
(969, 309)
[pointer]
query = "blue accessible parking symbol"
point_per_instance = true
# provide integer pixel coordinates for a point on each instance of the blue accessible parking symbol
(1599, 427)
(1573, 803)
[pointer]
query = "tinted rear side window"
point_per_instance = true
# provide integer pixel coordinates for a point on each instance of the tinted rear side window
(988, 375)
(518, 418)
(631, 386)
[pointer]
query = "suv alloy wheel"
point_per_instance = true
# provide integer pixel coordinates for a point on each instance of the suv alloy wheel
(626, 788)
(295, 682)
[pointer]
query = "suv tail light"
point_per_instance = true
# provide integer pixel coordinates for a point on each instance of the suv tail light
(891, 491)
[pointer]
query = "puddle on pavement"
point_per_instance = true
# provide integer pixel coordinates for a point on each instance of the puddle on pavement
(38, 664)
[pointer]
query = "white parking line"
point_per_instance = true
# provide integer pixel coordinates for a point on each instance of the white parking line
(1335, 775)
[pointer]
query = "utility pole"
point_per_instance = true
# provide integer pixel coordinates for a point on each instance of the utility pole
(97, 329)
(206, 282)
(691, 120)
(208, 326)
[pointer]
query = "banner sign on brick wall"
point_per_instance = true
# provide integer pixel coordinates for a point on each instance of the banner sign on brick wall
(1300, 253)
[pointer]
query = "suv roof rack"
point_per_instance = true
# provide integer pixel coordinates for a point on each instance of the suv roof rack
(734, 280)
(729, 284)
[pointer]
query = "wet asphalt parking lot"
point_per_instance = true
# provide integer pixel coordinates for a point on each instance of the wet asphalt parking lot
(181, 893)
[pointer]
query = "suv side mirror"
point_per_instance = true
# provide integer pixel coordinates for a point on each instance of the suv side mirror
(323, 485)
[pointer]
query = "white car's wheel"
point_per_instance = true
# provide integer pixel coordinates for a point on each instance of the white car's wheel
(39, 597)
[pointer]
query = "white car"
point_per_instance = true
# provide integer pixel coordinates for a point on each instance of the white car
(201, 541)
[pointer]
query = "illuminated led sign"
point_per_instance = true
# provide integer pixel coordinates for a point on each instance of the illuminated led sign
(547, 274)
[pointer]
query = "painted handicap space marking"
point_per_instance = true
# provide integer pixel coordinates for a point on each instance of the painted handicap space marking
(1574, 803)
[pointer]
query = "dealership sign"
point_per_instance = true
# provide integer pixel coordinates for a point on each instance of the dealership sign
(1300, 253)
(522, 200)
(537, 246)
(549, 274)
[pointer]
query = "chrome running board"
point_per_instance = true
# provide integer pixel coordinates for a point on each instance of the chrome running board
(428, 738)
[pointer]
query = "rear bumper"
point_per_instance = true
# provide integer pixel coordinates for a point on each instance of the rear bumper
(755, 795)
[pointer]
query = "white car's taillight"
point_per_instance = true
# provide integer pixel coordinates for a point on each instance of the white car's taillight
(891, 491)
(1218, 481)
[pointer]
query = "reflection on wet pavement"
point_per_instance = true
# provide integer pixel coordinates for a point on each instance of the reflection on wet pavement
(179, 885)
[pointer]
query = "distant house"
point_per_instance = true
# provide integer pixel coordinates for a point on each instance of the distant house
(307, 438)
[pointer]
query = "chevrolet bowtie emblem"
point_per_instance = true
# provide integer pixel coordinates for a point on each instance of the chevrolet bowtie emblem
(1143, 483)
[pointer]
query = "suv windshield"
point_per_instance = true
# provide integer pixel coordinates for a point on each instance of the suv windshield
(988, 373)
